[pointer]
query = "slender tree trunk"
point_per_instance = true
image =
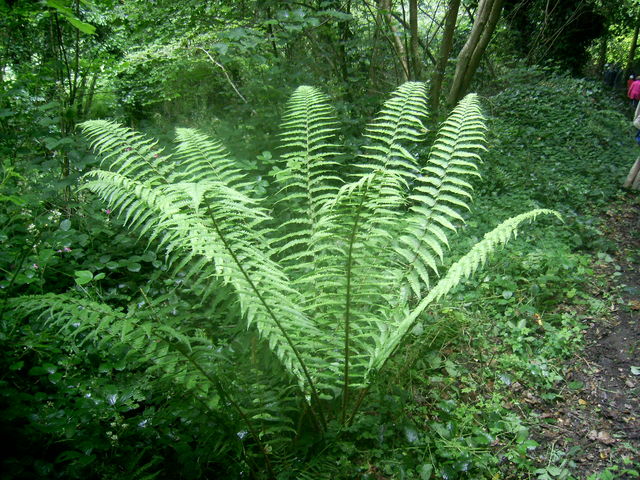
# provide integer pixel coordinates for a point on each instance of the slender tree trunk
(385, 7)
(413, 46)
(602, 55)
(274, 47)
(345, 37)
(89, 96)
(487, 16)
(374, 51)
(633, 179)
(633, 48)
(421, 43)
(464, 56)
(481, 47)
(443, 56)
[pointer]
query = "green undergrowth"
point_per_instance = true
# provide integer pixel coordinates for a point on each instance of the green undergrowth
(460, 403)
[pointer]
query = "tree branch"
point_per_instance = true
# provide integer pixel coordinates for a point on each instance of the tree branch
(226, 74)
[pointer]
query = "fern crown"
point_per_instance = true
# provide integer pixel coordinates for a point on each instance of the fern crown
(335, 284)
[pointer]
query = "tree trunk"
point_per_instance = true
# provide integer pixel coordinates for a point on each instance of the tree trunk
(413, 46)
(443, 56)
(374, 51)
(632, 49)
(481, 47)
(345, 38)
(487, 16)
(385, 7)
(633, 179)
(602, 55)
(421, 43)
(272, 37)
(89, 96)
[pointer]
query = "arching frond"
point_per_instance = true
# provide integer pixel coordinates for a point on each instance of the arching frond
(440, 191)
(184, 356)
(202, 159)
(213, 220)
(399, 124)
(461, 270)
(189, 359)
(308, 180)
(371, 211)
(136, 156)
(396, 129)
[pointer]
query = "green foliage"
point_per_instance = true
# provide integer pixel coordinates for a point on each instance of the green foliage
(570, 145)
(157, 359)
(333, 290)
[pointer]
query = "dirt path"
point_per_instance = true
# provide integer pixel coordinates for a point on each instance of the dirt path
(598, 423)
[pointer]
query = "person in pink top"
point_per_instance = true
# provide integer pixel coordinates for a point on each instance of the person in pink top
(634, 92)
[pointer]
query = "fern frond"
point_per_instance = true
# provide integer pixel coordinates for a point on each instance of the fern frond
(373, 205)
(156, 343)
(202, 159)
(456, 274)
(439, 192)
(308, 179)
(215, 221)
(187, 358)
(398, 125)
(127, 152)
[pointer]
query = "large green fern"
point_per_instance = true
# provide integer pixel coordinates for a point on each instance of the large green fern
(334, 286)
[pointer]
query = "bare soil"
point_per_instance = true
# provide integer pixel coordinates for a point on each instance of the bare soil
(599, 421)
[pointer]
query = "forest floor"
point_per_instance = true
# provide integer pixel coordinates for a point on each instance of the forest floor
(597, 424)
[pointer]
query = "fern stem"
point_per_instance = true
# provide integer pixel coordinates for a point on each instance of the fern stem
(356, 408)
(319, 415)
(347, 309)
(215, 381)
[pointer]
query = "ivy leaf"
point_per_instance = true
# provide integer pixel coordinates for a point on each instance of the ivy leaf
(425, 471)
(83, 277)
(134, 267)
(65, 225)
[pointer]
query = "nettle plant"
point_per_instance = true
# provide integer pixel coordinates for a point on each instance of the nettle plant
(333, 289)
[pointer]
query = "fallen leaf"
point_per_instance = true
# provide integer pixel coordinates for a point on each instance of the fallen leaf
(581, 401)
(606, 438)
